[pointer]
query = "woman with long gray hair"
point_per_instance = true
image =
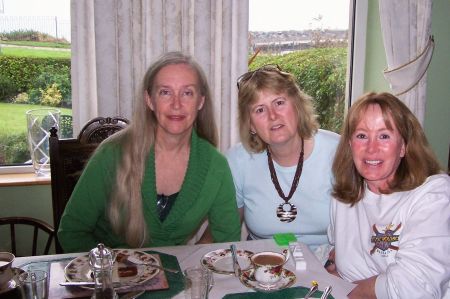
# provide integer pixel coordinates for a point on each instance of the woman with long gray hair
(155, 182)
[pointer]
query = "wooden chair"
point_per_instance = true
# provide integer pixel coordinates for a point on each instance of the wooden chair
(69, 156)
(36, 224)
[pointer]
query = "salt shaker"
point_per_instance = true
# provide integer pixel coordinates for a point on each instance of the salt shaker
(101, 260)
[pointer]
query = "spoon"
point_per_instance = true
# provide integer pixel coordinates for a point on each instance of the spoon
(326, 292)
(236, 266)
(312, 290)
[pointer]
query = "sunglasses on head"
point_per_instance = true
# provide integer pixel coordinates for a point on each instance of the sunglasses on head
(247, 76)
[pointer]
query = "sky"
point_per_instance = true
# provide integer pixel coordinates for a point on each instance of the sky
(279, 15)
(59, 8)
(265, 15)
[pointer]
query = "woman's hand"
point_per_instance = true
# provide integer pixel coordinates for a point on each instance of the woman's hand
(365, 289)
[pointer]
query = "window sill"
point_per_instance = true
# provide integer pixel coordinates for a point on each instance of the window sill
(22, 179)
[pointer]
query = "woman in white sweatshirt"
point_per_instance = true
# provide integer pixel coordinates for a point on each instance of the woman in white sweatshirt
(390, 217)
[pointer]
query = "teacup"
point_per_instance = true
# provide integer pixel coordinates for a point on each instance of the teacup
(6, 272)
(268, 267)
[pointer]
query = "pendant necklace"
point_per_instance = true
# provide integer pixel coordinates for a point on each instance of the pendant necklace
(286, 211)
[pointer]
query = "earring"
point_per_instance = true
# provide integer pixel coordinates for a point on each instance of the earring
(252, 132)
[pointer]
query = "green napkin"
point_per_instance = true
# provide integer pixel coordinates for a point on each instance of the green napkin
(175, 280)
(288, 293)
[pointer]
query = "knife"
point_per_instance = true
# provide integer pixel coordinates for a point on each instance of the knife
(92, 284)
(236, 267)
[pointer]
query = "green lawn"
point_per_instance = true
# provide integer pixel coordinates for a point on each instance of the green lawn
(29, 52)
(13, 119)
(37, 44)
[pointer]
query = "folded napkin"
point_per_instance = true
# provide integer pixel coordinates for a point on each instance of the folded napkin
(289, 293)
(175, 280)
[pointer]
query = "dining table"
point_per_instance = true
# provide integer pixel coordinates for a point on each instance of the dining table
(225, 285)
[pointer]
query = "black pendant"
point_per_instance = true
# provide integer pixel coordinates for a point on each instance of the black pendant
(287, 212)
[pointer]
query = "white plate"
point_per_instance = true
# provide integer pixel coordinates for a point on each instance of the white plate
(78, 269)
(287, 280)
(14, 282)
(221, 261)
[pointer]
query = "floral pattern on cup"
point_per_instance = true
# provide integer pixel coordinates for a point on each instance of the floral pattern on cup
(6, 272)
(268, 267)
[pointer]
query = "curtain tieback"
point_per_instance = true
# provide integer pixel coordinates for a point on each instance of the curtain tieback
(405, 77)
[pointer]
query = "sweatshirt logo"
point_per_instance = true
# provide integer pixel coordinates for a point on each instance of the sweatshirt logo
(383, 241)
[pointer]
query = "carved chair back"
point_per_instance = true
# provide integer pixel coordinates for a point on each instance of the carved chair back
(69, 156)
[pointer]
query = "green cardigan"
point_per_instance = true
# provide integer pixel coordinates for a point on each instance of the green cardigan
(207, 193)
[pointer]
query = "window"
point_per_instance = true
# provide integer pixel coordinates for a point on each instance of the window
(309, 39)
(34, 70)
(318, 35)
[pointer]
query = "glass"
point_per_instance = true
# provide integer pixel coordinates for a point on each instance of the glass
(198, 282)
(40, 121)
(34, 284)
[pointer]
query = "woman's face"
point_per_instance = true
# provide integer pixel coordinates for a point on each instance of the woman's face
(175, 99)
(377, 150)
(274, 118)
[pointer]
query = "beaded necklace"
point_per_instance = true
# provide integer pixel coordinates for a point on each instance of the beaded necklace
(286, 211)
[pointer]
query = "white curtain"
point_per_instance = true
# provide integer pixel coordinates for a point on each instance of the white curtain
(406, 29)
(114, 41)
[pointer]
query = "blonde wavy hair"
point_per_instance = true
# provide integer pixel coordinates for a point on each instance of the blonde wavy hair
(271, 78)
(125, 209)
(418, 163)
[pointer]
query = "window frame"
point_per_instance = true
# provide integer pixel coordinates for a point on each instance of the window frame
(356, 65)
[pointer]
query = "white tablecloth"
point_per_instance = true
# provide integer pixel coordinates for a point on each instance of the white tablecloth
(225, 284)
(190, 255)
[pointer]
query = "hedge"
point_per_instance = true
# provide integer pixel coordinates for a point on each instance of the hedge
(23, 71)
(321, 73)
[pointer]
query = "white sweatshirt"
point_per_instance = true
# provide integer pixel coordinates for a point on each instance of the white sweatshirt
(403, 237)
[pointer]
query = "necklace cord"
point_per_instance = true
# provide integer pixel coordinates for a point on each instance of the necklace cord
(298, 173)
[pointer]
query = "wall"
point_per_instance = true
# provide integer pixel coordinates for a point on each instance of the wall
(437, 115)
(34, 201)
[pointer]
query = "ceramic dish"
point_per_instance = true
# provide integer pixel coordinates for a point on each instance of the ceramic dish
(287, 280)
(13, 283)
(78, 269)
(221, 261)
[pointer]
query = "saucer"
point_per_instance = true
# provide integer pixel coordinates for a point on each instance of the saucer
(287, 279)
(14, 282)
(221, 261)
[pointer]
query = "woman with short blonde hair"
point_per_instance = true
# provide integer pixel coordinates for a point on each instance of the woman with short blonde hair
(282, 169)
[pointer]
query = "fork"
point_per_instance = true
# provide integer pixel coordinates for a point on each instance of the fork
(137, 261)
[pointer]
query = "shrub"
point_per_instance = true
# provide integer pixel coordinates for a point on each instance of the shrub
(29, 35)
(51, 96)
(29, 74)
(21, 98)
(8, 88)
(49, 76)
(14, 149)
